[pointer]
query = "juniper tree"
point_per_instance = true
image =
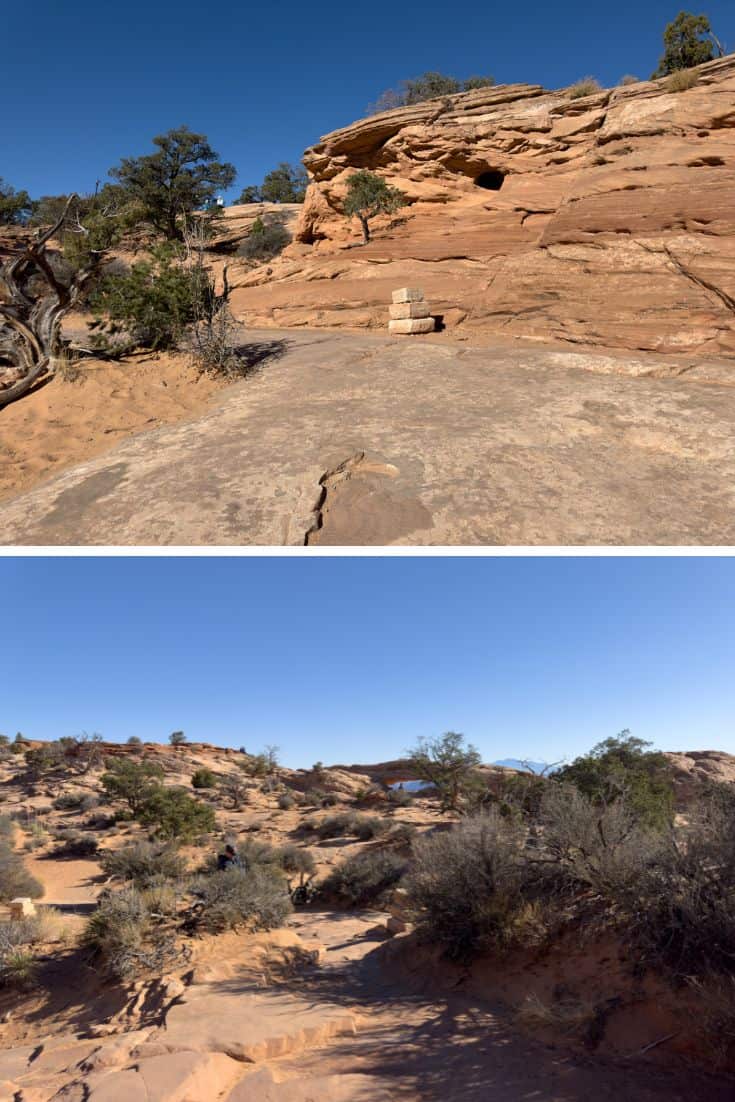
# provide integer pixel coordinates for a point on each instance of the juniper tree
(367, 196)
(688, 41)
(15, 206)
(182, 176)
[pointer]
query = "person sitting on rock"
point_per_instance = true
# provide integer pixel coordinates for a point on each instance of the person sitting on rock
(229, 859)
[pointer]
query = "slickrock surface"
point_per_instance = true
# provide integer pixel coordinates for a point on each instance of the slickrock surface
(361, 439)
(614, 224)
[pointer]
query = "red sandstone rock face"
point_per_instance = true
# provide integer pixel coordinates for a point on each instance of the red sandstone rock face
(614, 223)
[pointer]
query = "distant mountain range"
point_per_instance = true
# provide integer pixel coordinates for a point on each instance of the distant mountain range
(525, 766)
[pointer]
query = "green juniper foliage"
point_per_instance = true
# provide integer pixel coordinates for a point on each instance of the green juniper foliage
(182, 176)
(623, 767)
(688, 41)
(15, 206)
(367, 196)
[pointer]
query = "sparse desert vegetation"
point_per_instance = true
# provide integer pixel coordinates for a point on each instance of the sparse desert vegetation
(601, 846)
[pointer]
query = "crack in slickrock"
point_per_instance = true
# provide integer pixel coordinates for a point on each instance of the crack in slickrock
(327, 482)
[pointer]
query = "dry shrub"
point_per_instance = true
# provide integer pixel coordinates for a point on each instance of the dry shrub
(587, 86)
(363, 879)
(128, 937)
(716, 999)
(144, 863)
(598, 846)
(15, 880)
(362, 827)
(256, 898)
(569, 1016)
(467, 887)
(682, 80)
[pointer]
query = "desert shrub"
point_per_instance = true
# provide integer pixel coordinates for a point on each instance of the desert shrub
(235, 791)
(267, 238)
(520, 794)
(75, 843)
(68, 801)
(364, 878)
(431, 85)
(37, 835)
(132, 782)
(682, 80)
(203, 778)
(314, 797)
(363, 827)
(623, 768)
(144, 863)
(296, 859)
(330, 799)
(286, 801)
(627, 80)
(15, 880)
(148, 307)
(256, 897)
(126, 939)
(593, 845)
(399, 797)
(18, 964)
(7, 829)
(680, 908)
(716, 1009)
(134, 741)
(585, 87)
(467, 887)
(174, 814)
(402, 835)
(477, 82)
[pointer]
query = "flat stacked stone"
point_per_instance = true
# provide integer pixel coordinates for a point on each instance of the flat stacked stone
(409, 313)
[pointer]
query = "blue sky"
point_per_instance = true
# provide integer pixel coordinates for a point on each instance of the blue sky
(351, 659)
(93, 82)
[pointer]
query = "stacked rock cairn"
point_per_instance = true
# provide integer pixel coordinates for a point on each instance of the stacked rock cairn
(409, 313)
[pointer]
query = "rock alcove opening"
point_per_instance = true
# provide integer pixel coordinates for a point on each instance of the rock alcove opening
(492, 180)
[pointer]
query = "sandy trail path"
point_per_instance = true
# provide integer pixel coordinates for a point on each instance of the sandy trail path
(357, 438)
(440, 1047)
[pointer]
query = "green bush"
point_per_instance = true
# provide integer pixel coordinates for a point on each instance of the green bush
(131, 781)
(363, 879)
(623, 767)
(148, 307)
(68, 801)
(286, 801)
(18, 964)
(256, 897)
(203, 778)
(174, 814)
(15, 880)
(144, 863)
(447, 763)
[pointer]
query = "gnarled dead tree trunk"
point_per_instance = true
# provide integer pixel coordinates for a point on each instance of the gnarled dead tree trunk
(33, 301)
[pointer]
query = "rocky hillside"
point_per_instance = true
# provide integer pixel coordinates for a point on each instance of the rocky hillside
(606, 219)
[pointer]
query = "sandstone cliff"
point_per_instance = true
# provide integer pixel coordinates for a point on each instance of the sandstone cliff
(607, 220)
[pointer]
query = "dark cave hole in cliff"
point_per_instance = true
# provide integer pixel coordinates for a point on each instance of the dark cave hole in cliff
(492, 180)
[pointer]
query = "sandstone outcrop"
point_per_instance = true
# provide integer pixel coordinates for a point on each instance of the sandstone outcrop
(606, 220)
(694, 770)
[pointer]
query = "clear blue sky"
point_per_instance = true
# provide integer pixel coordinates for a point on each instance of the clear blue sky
(350, 659)
(87, 83)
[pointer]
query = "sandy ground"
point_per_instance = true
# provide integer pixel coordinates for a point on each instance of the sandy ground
(66, 422)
